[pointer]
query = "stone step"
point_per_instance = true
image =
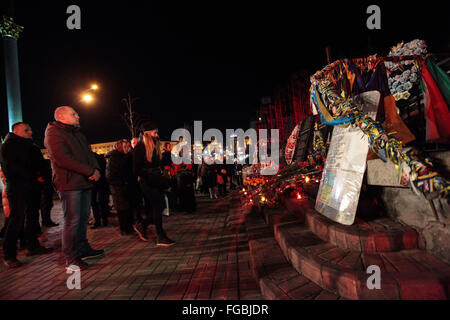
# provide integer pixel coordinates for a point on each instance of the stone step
(274, 216)
(277, 279)
(406, 274)
(379, 235)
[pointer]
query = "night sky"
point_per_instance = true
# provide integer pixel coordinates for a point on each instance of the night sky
(192, 60)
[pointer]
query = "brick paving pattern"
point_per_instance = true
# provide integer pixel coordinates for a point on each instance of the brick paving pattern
(210, 261)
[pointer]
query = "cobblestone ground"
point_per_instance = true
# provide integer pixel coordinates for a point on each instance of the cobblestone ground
(210, 261)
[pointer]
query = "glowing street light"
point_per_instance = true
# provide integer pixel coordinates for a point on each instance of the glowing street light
(87, 98)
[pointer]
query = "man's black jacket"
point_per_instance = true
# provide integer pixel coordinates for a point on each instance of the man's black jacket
(22, 161)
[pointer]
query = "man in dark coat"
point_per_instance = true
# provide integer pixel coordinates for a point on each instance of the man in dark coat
(21, 163)
(166, 159)
(173, 194)
(119, 173)
(75, 169)
(137, 199)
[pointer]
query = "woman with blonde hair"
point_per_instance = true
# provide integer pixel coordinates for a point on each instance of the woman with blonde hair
(147, 169)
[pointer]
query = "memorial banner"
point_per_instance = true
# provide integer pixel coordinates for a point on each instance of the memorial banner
(342, 176)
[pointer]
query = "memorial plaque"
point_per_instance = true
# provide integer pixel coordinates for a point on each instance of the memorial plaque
(342, 176)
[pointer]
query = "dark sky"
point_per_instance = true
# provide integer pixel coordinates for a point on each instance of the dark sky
(192, 60)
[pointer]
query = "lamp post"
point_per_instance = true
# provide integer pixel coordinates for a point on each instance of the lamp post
(10, 33)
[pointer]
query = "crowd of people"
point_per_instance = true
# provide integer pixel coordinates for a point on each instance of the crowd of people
(216, 180)
(132, 174)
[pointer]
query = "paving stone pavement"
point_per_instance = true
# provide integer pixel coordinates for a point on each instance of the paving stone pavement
(210, 261)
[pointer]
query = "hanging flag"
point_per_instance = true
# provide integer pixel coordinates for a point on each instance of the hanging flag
(291, 143)
(437, 114)
(441, 78)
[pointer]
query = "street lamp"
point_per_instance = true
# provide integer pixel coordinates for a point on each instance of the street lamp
(87, 96)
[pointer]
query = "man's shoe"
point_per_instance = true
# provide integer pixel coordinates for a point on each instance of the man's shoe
(141, 231)
(76, 265)
(92, 254)
(38, 250)
(11, 262)
(96, 226)
(164, 241)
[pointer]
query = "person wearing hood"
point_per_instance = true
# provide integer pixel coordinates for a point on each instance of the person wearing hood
(22, 163)
(75, 169)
